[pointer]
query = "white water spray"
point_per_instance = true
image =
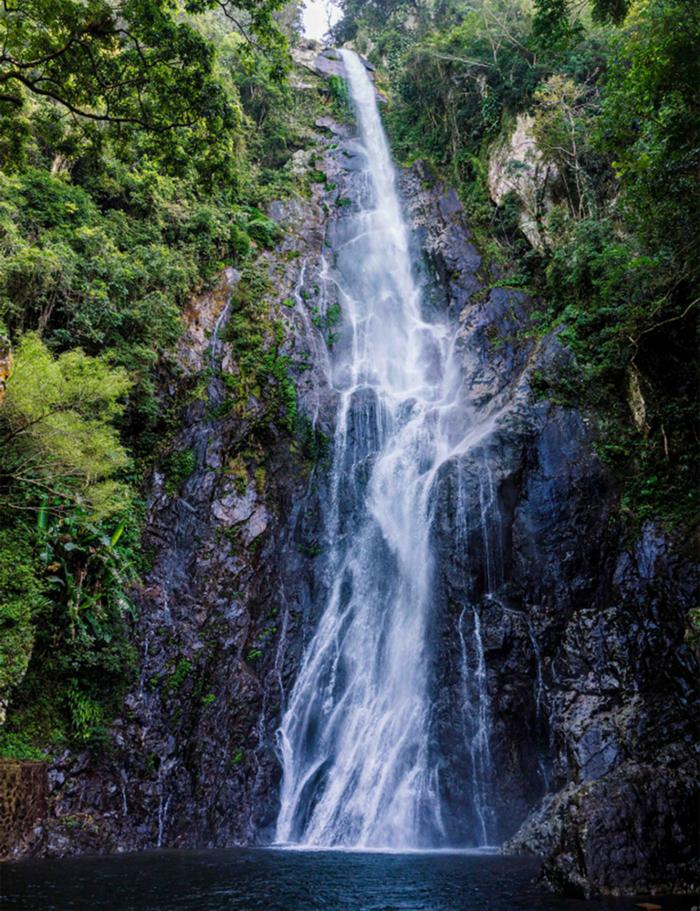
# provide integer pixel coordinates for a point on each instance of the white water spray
(356, 741)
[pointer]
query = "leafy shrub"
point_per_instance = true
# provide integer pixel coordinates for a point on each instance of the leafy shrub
(21, 601)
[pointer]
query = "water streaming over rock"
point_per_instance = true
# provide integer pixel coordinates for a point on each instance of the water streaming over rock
(359, 755)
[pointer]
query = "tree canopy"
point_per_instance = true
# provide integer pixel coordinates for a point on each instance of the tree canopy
(130, 62)
(57, 430)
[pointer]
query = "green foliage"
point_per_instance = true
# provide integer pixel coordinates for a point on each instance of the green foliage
(275, 367)
(455, 85)
(180, 674)
(57, 429)
(262, 371)
(382, 26)
(555, 23)
(91, 569)
(564, 118)
(264, 231)
(340, 98)
(314, 443)
(178, 466)
(86, 714)
(627, 287)
(650, 127)
(104, 278)
(75, 574)
(21, 601)
(551, 25)
(16, 746)
(133, 63)
(613, 301)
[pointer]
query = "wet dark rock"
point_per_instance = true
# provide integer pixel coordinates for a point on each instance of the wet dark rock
(337, 129)
(592, 688)
(328, 63)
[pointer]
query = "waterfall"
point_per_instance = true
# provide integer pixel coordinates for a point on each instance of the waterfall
(356, 741)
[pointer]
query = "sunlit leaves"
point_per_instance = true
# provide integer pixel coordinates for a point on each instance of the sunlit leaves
(57, 430)
(131, 62)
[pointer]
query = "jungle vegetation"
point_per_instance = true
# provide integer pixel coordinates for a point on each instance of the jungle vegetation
(139, 142)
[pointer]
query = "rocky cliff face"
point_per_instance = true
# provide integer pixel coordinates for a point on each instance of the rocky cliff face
(516, 166)
(591, 688)
(565, 688)
(231, 527)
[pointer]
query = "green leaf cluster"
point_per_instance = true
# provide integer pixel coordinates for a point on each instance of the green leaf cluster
(57, 429)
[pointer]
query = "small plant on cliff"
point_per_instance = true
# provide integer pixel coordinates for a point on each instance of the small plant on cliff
(340, 98)
(87, 715)
(178, 466)
(179, 675)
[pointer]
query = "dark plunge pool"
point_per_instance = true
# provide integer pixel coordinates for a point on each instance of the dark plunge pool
(276, 880)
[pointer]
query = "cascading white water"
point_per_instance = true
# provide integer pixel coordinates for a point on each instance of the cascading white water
(355, 739)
